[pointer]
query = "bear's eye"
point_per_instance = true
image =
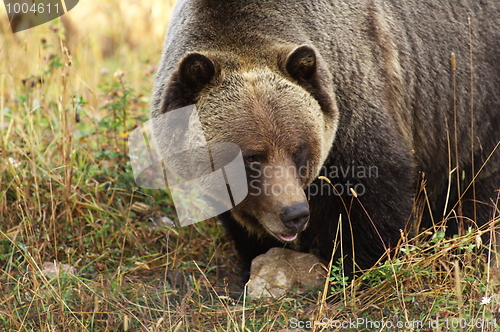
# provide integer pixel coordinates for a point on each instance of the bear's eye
(251, 156)
(300, 155)
(296, 155)
(252, 159)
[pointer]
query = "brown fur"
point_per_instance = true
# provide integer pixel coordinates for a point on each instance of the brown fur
(365, 83)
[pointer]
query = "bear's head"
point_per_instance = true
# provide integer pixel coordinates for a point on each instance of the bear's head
(280, 111)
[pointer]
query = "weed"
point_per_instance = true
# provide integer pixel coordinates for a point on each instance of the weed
(337, 278)
(67, 196)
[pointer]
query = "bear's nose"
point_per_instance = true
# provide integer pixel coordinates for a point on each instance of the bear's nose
(295, 216)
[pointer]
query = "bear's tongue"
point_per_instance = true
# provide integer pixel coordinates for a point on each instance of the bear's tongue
(287, 238)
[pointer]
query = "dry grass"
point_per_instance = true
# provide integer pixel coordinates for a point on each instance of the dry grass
(67, 197)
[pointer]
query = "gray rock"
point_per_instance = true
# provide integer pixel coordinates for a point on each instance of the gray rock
(279, 270)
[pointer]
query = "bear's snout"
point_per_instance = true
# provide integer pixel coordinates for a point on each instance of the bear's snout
(296, 216)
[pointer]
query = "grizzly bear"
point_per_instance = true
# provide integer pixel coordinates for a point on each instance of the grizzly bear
(395, 103)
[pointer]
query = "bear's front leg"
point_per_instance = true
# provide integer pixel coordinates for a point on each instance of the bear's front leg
(247, 245)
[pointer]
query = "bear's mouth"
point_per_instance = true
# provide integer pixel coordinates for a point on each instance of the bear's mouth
(287, 238)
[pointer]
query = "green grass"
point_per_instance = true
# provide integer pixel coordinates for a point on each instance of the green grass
(67, 196)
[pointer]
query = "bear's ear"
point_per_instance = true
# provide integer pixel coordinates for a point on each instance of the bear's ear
(196, 70)
(193, 73)
(301, 63)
